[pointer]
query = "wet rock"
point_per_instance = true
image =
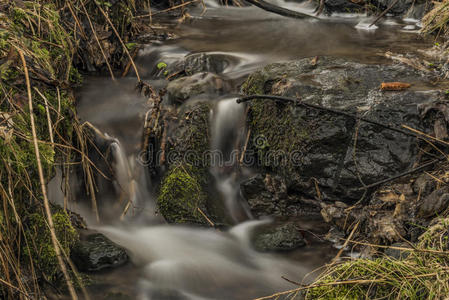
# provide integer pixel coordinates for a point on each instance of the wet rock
(433, 204)
(205, 62)
(103, 151)
(345, 6)
(260, 198)
(279, 238)
(117, 296)
(397, 253)
(424, 185)
(183, 88)
(96, 252)
(185, 168)
(267, 195)
(304, 145)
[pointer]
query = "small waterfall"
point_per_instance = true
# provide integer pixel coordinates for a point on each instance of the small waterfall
(226, 133)
(131, 184)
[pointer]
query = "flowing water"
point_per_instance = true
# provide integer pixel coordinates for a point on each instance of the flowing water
(178, 262)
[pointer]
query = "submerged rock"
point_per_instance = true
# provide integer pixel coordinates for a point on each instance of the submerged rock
(327, 155)
(279, 238)
(96, 252)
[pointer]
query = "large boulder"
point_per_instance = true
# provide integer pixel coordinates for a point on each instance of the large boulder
(322, 154)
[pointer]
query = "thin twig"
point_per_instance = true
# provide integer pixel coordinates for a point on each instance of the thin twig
(207, 219)
(346, 243)
(384, 13)
(50, 128)
(428, 164)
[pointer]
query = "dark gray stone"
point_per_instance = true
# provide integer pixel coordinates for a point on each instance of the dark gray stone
(435, 203)
(205, 62)
(183, 88)
(96, 252)
(322, 141)
(283, 237)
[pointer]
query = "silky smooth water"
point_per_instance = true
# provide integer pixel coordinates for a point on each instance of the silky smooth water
(181, 262)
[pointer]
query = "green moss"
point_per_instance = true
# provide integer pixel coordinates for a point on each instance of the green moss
(421, 275)
(277, 131)
(41, 250)
(254, 85)
(181, 195)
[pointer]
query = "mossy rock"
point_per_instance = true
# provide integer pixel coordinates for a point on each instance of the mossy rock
(305, 145)
(181, 195)
(39, 243)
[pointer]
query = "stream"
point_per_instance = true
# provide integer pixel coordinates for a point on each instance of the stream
(182, 262)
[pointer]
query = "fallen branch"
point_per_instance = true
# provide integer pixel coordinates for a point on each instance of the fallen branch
(279, 10)
(319, 107)
(384, 13)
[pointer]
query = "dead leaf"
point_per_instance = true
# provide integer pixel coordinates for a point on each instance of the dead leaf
(389, 197)
(394, 86)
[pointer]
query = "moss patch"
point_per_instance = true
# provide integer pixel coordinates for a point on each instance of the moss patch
(181, 195)
(42, 251)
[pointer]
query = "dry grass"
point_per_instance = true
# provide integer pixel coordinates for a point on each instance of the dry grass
(423, 274)
(436, 20)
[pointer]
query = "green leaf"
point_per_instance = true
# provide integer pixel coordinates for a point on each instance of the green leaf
(161, 65)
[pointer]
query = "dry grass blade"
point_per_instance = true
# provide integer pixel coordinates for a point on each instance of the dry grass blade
(50, 127)
(15, 288)
(43, 185)
(346, 243)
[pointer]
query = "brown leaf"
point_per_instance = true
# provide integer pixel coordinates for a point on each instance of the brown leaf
(394, 86)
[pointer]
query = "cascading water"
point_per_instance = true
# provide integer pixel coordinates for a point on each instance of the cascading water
(228, 121)
(180, 262)
(201, 263)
